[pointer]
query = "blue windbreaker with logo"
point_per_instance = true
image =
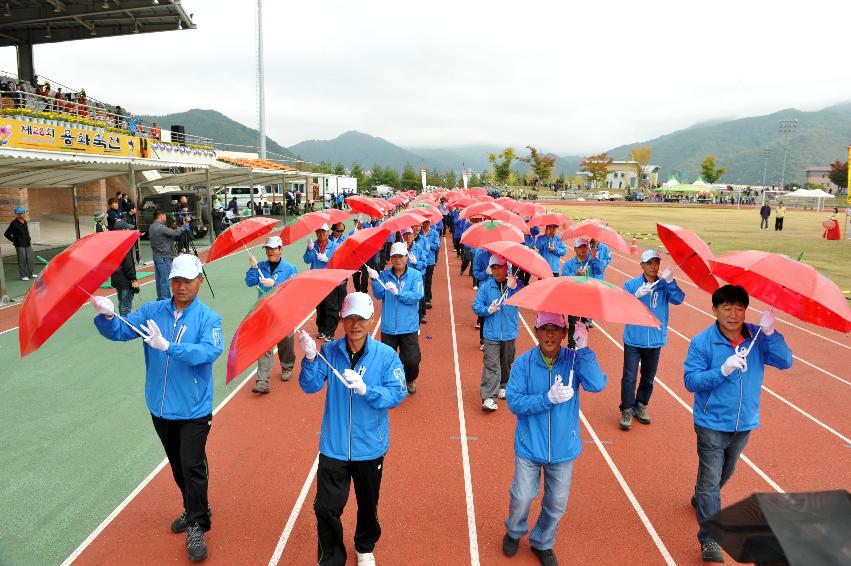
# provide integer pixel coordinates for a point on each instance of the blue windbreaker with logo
(399, 313)
(501, 325)
(553, 257)
(284, 271)
(662, 295)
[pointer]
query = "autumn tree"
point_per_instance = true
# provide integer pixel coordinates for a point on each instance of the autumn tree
(641, 156)
(501, 164)
(597, 167)
(339, 169)
(839, 174)
(542, 165)
(710, 171)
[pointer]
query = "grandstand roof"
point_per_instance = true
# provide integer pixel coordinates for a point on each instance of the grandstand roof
(51, 21)
(229, 176)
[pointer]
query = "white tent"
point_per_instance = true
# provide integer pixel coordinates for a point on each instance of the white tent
(671, 182)
(700, 182)
(817, 194)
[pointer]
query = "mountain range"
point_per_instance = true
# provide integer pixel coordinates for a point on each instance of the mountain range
(820, 138)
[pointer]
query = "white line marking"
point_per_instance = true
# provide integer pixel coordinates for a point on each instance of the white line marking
(645, 520)
(465, 454)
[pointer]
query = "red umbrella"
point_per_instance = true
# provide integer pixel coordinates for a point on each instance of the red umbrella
(586, 297)
(366, 205)
(529, 209)
(480, 209)
(600, 231)
(240, 234)
(404, 220)
(462, 202)
(510, 218)
(507, 202)
(521, 256)
(277, 314)
(791, 286)
(358, 248)
(490, 231)
(486, 198)
(477, 191)
(690, 253)
(67, 283)
(307, 224)
(335, 214)
(430, 211)
(552, 218)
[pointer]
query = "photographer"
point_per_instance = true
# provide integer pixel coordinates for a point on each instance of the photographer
(162, 247)
(184, 226)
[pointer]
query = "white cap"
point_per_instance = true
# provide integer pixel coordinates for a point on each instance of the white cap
(650, 254)
(324, 227)
(186, 266)
(496, 259)
(273, 242)
(580, 242)
(359, 304)
(399, 248)
(407, 230)
(545, 318)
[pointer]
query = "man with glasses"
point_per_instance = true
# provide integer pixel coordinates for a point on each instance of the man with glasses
(338, 233)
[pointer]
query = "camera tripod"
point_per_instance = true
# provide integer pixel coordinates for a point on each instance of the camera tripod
(191, 248)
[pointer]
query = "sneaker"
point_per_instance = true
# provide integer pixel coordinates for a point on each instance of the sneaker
(320, 336)
(641, 413)
(626, 419)
(547, 556)
(179, 525)
(260, 387)
(286, 374)
(478, 325)
(412, 387)
(366, 559)
(509, 545)
(589, 325)
(475, 287)
(482, 347)
(195, 543)
(489, 404)
(711, 552)
(501, 393)
(25, 278)
(428, 304)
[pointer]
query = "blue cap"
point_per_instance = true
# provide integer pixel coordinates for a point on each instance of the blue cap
(20, 210)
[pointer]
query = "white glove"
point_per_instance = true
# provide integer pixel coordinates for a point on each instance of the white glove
(643, 290)
(582, 271)
(354, 381)
(267, 282)
(560, 393)
(103, 306)
(489, 271)
(309, 244)
(733, 363)
(580, 335)
(412, 258)
(494, 306)
(252, 261)
(766, 322)
(321, 256)
(391, 288)
(512, 282)
(668, 275)
(155, 337)
(373, 274)
(308, 344)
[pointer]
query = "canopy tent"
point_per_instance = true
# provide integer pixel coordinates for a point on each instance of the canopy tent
(817, 194)
(690, 188)
(700, 182)
(672, 182)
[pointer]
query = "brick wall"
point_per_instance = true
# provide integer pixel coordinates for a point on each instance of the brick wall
(9, 200)
(50, 202)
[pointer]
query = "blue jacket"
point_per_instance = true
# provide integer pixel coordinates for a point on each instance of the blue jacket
(355, 427)
(430, 244)
(604, 254)
(179, 382)
(501, 325)
(421, 255)
(553, 258)
(481, 259)
(400, 315)
(310, 255)
(731, 403)
(460, 225)
(573, 264)
(529, 239)
(548, 433)
(284, 271)
(657, 301)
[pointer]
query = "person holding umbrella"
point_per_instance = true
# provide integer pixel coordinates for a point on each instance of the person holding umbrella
(266, 275)
(430, 241)
(584, 263)
(401, 290)
(178, 384)
(365, 378)
(317, 256)
(726, 381)
(604, 254)
(499, 330)
(642, 344)
(551, 247)
(547, 434)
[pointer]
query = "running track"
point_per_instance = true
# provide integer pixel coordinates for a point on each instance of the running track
(445, 489)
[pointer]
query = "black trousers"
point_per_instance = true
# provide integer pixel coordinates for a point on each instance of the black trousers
(458, 247)
(185, 442)
(778, 224)
(360, 279)
(427, 278)
(466, 260)
(409, 351)
(328, 311)
(333, 479)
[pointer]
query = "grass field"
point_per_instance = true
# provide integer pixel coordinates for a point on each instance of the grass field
(731, 229)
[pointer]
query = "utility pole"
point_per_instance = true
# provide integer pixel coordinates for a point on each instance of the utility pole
(766, 153)
(261, 102)
(786, 127)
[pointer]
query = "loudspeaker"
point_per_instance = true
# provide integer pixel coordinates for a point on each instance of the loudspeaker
(178, 134)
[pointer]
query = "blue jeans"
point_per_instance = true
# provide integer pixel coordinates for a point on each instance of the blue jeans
(524, 489)
(717, 453)
(125, 301)
(649, 358)
(162, 267)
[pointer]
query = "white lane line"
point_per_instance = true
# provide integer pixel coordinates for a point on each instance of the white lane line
(462, 423)
(745, 459)
(121, 506)
(645, 520)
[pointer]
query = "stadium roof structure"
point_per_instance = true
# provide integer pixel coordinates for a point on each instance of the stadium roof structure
(33, 22)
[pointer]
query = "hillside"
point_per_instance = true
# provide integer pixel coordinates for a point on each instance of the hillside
(356, 147)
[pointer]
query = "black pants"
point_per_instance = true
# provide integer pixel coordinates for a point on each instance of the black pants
(571, 326)
(409, 352)
(360, 279)
(447, 224)
(466, 259)
(184, 442)
(427, 278)
(332, 493)
(763, 223)
(328, 311)
(648, 358)
(458, 247)
(778, 224)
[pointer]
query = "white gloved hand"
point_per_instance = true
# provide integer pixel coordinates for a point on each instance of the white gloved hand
(309, 244)
(766, 322)
(412, 258)
(308, 344)
(155, 337)
(354, 381)
(321, 256)
(103, 306)
(267, 282)
(733, 363)
(512, 282)
(551, 247)
(582, 271)
(580, 335)
(643, 290)
(494, 306)
(489, 271)
(373, 274)
(560, 393)
(391, 288)
(668, 275)
(252, 261)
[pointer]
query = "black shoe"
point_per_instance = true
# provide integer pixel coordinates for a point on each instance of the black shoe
(412, 387)
(547, 557)
(179, 525)
(694, 501)
(195, 543)
(428, 304)
(711, 552)
(509, 545)
(423, 320)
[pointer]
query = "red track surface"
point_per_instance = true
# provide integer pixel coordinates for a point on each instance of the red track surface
(262, 449)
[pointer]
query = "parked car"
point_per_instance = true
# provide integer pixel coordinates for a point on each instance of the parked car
(601, 195)
(635, 196)
(167, 202)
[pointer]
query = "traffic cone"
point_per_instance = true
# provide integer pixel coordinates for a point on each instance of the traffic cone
(633, 246)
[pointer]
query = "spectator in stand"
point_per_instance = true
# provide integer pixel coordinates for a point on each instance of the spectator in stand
(155, 131)
(118, 117)
(19, 234)
(58, 101)
(82, 104)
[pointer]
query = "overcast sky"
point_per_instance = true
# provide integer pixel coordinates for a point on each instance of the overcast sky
(568, 77)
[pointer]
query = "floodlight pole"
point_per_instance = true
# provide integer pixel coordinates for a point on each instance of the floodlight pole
(786, 127)
(261, 103)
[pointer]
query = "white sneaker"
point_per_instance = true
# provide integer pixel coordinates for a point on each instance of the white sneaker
(489, 405)
(366, 559)
(501, 393)
(475, 287)
(25, 278)
(482, 347)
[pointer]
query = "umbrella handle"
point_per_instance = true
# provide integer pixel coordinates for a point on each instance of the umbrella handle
(380, 282)
(336, 373)
(743, 352)
(121, 318)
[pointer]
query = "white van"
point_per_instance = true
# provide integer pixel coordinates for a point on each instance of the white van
(243, 198)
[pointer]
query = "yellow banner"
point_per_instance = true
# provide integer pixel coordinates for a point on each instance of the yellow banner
(848, 190)
(47, 136)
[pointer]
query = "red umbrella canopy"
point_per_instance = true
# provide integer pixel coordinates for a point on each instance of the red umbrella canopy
(480, 209)
(529, 209)
(404, 220)
(240, 234)
(507, 202)
(66, 283)
(486, 198)
(690, 253)
(600, 231)
(521, 256)
(549, 219)
(490, 231)
(510, 218)
(429, 211)
(307, 224)
(789, 285)
(477, 191)
(277, 314)
(366, 205)
(586, 297)
(358, 248)
(335, 214)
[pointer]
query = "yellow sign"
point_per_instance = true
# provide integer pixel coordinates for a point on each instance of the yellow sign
(68, 138)
(848, 189)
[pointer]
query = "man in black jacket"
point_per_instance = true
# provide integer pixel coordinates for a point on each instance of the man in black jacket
(125, 284)
(19, 234)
